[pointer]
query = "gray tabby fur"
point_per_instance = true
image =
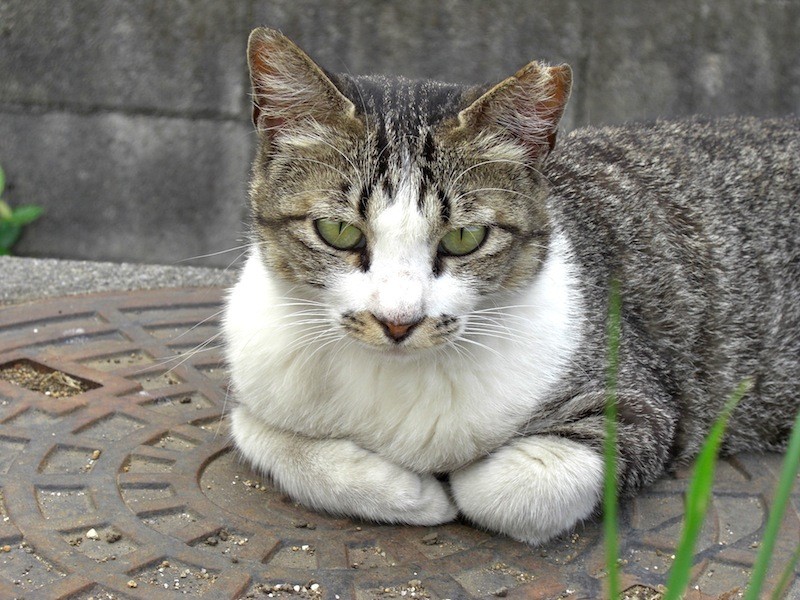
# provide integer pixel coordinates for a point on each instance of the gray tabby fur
(700, 220)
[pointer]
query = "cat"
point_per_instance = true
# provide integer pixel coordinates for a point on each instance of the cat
(419, 330)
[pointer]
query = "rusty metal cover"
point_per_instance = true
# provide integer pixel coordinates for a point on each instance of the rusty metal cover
(129, 487)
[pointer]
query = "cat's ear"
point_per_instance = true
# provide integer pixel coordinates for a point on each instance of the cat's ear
(288, 87)
(527, 106)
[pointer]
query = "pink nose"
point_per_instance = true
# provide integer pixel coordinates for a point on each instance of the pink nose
(397, 331)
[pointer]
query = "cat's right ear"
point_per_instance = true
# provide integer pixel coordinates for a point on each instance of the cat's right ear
(527, 106)
(289, 89)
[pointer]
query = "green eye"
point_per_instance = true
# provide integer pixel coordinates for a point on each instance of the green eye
(340, 235)
(463, 240)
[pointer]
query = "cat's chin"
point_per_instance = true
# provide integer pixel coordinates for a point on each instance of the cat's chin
(396, 351)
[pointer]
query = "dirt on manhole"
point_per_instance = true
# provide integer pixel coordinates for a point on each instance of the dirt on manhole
(641, 592)
(39, 378)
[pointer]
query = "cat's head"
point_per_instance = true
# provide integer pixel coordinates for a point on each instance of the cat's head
(404, 204)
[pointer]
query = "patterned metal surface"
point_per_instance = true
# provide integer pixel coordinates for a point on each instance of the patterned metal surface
(131, 489)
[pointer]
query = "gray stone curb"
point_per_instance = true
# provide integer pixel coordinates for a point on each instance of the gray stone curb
(30, 279)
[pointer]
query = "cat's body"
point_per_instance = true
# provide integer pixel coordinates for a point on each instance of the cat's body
(367, 362)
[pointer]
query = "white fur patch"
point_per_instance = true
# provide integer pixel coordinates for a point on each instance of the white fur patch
(431, 412)
(339, 477)
(532, 489)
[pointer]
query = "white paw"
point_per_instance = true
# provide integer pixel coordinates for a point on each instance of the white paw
(361, 483)
(532, 489)
(340, 477)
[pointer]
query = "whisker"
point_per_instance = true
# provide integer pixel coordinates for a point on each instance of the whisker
(195, 326)
(490, 189)
(455, 180)
(484, 346)
(291, 157)
(312, 334)
(202, 347)
(210, 254)
(334, 339)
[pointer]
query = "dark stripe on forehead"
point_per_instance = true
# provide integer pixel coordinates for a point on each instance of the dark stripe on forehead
(363, 200)
(428, 148)
(400, 114)
(382, 151)
(444, 207)
(427, 156)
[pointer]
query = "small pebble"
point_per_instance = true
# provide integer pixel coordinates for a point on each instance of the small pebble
(501, 592)
(92, 534)
(6, 548)
(112, 537)
(132, 584)
(430, 539)
(96, 454)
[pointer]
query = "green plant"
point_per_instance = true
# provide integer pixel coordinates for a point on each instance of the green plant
(697, 498)
(12, 220)
(700, 487)
(610, 527)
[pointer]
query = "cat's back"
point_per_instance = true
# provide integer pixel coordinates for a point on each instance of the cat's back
(708, 164)
(701, 222)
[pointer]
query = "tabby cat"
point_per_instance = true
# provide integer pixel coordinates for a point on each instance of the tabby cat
(419, 329)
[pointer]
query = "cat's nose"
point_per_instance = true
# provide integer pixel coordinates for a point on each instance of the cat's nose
(398, 331)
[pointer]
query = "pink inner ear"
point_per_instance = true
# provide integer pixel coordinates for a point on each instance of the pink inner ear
(527, 106)
(266, 106)
(538, 101)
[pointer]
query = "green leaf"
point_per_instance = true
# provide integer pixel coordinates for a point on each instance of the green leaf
(2, 181)
(610, 528)
(789, 470)
(9, 234)
(698, 496)
(5, 211)
(22, 215)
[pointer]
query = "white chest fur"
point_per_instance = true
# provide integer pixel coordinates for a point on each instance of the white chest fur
(430, 413)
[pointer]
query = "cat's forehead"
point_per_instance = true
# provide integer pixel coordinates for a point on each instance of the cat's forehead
(404, 107)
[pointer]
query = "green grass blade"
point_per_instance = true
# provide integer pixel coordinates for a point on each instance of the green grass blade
(2, 181)
(787, 575)
(698, 496)
(610, 527)
(784, 489)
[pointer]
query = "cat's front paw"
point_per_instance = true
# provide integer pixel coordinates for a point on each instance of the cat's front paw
(532, 489)
(340, 477)
(366, 485)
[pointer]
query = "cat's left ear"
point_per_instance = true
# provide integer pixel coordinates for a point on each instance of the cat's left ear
(527, 106)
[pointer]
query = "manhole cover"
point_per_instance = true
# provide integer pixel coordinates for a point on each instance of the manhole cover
(123, 484)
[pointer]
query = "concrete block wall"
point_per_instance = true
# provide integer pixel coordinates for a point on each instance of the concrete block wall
(128, 120)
